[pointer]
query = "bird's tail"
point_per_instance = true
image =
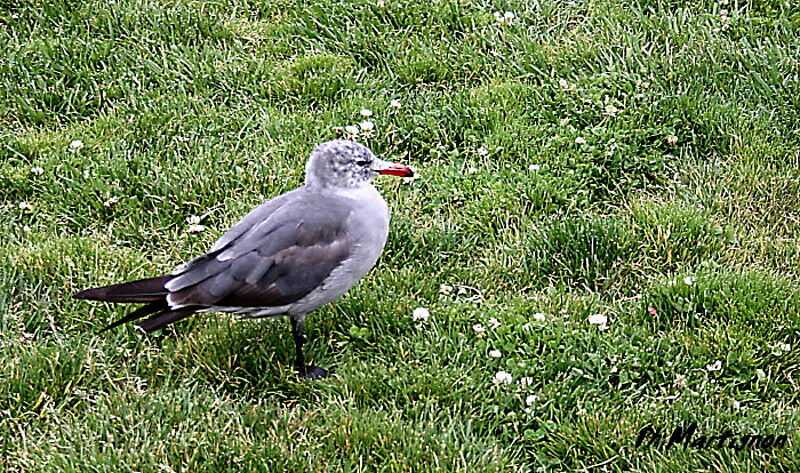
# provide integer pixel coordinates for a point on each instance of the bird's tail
(149, 290)
(142, 290)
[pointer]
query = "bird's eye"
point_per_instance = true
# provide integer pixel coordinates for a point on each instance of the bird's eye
(362, 162)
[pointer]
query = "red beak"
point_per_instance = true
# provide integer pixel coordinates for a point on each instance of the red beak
(395, 169)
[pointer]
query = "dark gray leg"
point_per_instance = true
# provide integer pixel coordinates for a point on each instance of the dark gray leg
(307, 372)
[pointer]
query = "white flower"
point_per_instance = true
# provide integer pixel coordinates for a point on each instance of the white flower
(38, 170)
(195, 228)
(472, 170)
(483, 151)
(351, 130)
(534, 167)
(493, 323)
(395, 103)
(25, 206)
(716, 366)
(761, 375)
(365, 112)
(672, 140)
(503, 377)
(689, 280)
(420, 314)
(526, 381)
(598, 319)
(611, 110)
(563, 83)
(495, 354)
(780, 347)
(680, 381)
(75, 145)
(445, 289)
(580, 140)
(509, 16)
(193, 219)
(530, 400)
(367, 125)
(478, 329)
(110, 202)
(539, 317)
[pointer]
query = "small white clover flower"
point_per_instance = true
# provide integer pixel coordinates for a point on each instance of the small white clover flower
(37, 170)
(193, 219)
(716, 366)
(395, 104)
(563, 84)
(530, 400)
(195, 228)
(680, 381)
(472, 170)
(25, 206)
(493, 323)
(420, 314)
(503, 377)
(367, 125)
(509, 16)
(539, 317)
(534, 167)
(689, 280)
(580, 140)
(761, 375)
(779, 348)
(478, 329)
(611, 109)
(365, 112)
(483, 151)
(108, 203)
(600, 320)
(495, 354)
(75, 145)
(526, 381)
(672, 140)
(351, 130)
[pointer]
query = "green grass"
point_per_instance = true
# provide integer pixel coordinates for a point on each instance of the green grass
(666, 197)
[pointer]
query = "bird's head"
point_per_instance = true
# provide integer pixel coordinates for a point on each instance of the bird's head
(345, 163)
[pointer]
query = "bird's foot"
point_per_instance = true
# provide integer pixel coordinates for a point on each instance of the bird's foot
(313, 372)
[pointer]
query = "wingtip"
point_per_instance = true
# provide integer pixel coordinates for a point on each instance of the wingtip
(81, 294)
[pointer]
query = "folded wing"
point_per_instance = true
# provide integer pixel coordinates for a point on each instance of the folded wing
(270, 261)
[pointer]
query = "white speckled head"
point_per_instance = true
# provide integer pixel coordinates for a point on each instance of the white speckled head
(345, 163)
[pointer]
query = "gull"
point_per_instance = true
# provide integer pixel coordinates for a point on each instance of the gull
(289, 256)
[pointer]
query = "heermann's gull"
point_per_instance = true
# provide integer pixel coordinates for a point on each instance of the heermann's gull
(289, 256)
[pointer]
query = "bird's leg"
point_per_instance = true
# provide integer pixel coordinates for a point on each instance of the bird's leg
(307, 372)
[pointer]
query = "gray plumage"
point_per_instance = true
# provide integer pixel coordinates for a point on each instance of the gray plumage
(290, 255)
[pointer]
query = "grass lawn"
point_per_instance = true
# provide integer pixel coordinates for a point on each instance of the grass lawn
(635, 164)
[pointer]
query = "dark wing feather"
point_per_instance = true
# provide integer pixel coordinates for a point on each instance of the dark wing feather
(274, 261)
(141, 290)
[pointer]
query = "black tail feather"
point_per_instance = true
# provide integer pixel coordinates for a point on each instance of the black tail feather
(139, 313)
(142, 290)
(163, 319)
